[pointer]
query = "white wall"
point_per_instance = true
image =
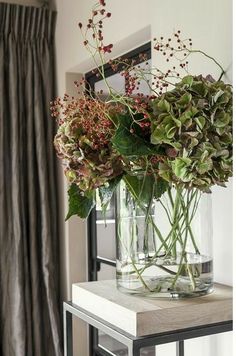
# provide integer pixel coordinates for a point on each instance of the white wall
(209, 23)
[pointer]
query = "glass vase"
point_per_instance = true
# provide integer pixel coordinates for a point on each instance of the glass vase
(164, 249)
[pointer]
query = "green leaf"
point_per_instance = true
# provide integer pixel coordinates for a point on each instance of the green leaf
(170, 130)
(165, 171)
(161, 187)
(193, 142)
(220, 130)
(177, 121)
(222, 119)
(176, 145)
(217, 95)
(188, 114)
(193, 111)
(158, 136)
(200, 120)
(224, 98)
(188, 80)
(165, 175)
(124, 120)
(226, 164)
(184, 100)
(226, 138)
(188, 123)
(163, 105)
(180, 166)
(129, 144)
(222, 153)
(204, 166)
(191, 133)
(199, 88)
(80, 205)
(145, 187)
(140, 187)
(106, 192)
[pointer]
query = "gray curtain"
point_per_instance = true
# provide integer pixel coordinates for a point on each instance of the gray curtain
(29, 241)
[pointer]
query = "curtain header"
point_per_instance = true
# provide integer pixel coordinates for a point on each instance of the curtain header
(26, 22)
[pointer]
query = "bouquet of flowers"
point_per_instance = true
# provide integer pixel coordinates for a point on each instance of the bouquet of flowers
(157, 151)
(180, 135)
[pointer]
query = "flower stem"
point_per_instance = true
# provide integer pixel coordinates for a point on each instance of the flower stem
(211, 58)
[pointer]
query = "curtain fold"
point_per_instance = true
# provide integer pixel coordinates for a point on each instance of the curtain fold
(29, 240)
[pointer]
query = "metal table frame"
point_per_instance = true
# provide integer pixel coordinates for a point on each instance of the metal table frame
(135, 344)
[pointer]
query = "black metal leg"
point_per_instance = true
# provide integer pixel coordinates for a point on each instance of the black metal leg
(180, 348)
(134, 350)
(68, 334)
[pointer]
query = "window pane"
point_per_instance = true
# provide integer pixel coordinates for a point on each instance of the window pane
(106, 246)
(106, 272)
(116, 82)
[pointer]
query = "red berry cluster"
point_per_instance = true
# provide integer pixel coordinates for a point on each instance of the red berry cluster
(88, 115)
(174, 48)
(106, 49)
(95, 25)
(129, 69)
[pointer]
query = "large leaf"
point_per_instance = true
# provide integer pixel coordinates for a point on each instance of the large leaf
(129, 144)
(145, 187)
(160, 187)
(80, 205)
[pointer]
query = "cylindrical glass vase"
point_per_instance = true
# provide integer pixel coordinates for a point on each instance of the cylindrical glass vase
(164, 249)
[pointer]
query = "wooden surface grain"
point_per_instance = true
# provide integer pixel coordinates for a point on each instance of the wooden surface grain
(141, 316)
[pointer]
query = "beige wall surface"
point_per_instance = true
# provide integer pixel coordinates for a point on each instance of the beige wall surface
(133, 22)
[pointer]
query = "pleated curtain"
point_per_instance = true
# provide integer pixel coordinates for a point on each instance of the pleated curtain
(29, 240)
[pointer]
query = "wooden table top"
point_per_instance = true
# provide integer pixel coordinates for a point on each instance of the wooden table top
(140, 316)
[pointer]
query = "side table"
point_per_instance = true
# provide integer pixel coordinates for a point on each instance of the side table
(141, 322)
